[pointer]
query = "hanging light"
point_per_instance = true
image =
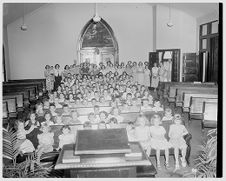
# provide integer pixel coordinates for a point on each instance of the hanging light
(170, 24)
(96, 17)
(23, 26)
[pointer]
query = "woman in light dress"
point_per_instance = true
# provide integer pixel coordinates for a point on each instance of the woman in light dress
(147, 75)
(155, 76)
(140, 73)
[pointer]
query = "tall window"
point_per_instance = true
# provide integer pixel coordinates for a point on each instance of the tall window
(97, 43)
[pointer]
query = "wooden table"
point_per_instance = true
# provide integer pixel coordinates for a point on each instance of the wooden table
(93, 166)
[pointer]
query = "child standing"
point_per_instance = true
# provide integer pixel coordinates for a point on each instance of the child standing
(176, 134)
(158, 140)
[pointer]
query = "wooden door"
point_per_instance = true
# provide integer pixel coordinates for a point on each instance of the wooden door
(190, 67)
(212, 66)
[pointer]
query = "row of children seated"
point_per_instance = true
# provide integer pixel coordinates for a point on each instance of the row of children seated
(40, 136)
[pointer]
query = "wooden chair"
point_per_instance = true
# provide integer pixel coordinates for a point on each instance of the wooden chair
(210, 113)
(12, 105)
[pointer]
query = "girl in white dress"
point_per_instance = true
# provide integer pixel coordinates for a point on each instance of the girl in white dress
(176, 135)
(24, 145)
(147, 75)
(142, 133)
(155, 76)
(158, 140)
(46, 141)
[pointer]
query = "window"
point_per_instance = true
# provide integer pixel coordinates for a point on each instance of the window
(207, 31)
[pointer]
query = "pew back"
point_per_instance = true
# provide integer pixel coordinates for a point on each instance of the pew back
(12, 104)
(196, 106)
(181, 92)
(173, 89)
(187, 97)
(5, 110)
(19, 98)
(210, 110)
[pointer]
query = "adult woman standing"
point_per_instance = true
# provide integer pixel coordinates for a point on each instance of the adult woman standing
(58, 76)
(140, 73)
(147, 75)
(155, 76)
(49, 76)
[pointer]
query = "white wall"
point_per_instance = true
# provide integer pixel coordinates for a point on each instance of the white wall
(53, 32)
(181, 36)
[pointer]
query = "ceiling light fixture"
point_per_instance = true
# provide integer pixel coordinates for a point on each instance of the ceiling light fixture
(170, 23)
(23, 26)
(96, 17)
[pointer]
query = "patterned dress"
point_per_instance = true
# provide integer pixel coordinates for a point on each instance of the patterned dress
(49, 75)
(155, 77)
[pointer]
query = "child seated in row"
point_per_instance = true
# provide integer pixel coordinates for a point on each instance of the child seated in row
(24, 145)
(177, 132)
(158, 141)
(157, 106)
(48, 119)
(167, 115)
(46, 141)
(66, 137)
(142, 133)
(115, 113)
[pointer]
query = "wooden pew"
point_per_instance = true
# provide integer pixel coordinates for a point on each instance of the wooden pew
(12, 105)
(181, 92)
(187, 99)
(173, 89)
(40, 82)
(210, 114)
(31, 90)
(19, 98)
(196, 107)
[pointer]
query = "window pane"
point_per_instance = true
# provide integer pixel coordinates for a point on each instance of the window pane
(214, 28)
(204, 44)
(204, 29)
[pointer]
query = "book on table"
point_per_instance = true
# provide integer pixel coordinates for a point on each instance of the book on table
(102, 141)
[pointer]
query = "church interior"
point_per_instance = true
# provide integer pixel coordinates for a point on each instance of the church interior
(105, 90)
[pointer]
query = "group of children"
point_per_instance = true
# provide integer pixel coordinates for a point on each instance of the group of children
(152, 135)
(140, 72)
(119, 92)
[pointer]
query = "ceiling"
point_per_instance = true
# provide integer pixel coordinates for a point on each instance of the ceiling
(13, 11)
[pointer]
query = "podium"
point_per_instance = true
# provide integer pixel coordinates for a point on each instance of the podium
(106, 164)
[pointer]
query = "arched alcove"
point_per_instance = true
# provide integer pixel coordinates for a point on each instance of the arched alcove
(97, 43)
